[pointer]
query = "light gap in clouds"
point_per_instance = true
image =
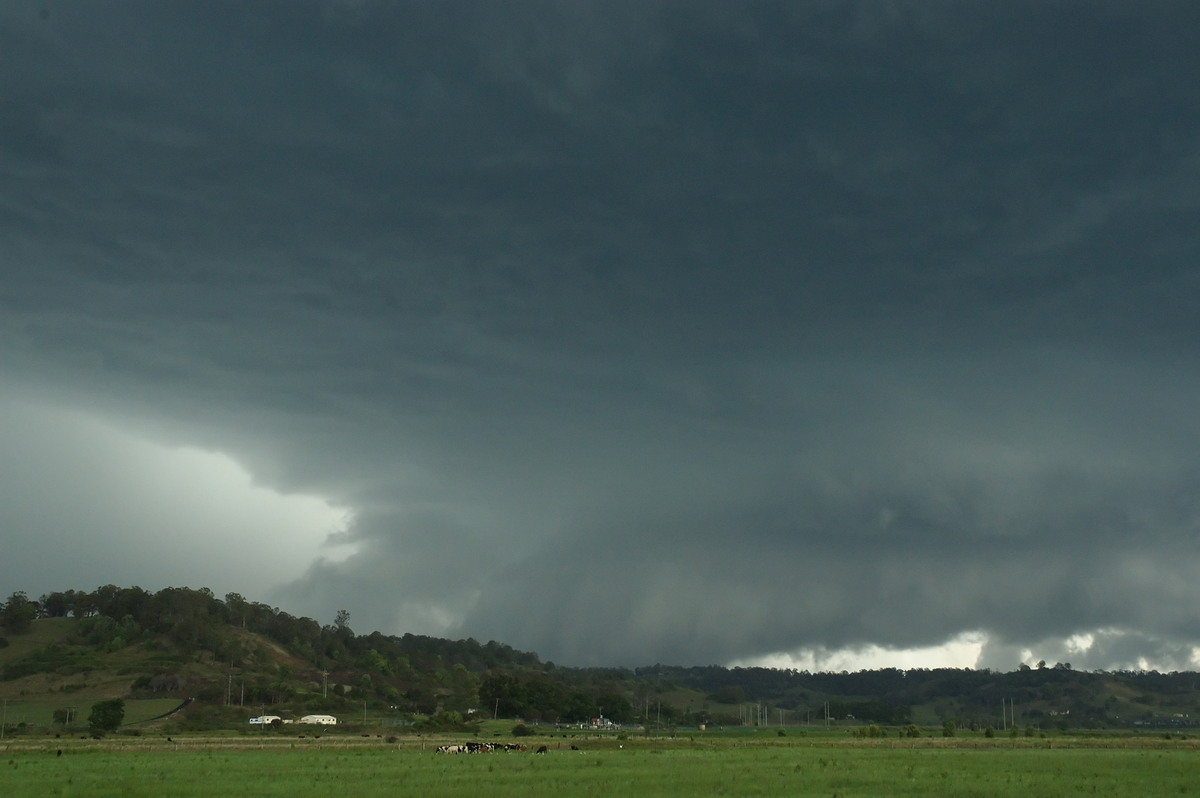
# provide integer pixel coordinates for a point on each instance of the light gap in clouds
(961, 651)
(102, 505)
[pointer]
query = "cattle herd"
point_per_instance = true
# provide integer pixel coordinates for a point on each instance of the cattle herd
(483, 748)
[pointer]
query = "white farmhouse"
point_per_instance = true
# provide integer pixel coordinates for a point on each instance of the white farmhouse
(324, 720)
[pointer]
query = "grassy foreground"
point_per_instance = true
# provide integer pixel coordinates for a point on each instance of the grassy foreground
(207, 767)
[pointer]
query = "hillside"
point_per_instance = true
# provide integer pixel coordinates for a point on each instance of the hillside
(236, 658)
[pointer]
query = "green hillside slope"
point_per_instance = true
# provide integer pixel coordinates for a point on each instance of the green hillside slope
(230, 659)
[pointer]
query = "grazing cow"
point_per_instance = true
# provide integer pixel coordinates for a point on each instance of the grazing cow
(541, 749)
(451, 749)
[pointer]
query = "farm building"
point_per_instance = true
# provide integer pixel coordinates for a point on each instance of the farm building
(325, 720)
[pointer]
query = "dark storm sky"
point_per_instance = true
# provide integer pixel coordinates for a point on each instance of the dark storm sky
(623, 332)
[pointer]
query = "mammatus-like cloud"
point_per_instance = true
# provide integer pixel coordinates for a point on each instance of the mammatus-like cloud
(622, 335)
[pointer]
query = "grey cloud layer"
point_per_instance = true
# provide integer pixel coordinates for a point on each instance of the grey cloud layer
(702, 331)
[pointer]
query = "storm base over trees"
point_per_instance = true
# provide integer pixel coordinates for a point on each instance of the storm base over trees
(260, 655)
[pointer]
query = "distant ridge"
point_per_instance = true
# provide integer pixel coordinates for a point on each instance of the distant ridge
(222, 656)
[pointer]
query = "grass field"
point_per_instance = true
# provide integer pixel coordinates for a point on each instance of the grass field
(244, 765)
(40, 712)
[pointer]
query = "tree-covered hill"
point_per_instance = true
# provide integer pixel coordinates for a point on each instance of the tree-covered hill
(236, 657)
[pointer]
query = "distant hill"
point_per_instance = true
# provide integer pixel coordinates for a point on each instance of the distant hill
(237, 658)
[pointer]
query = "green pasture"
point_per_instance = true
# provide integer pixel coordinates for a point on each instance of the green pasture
(40, 712)
(365, 768)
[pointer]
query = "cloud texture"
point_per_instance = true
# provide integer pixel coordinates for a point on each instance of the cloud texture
(630, 332)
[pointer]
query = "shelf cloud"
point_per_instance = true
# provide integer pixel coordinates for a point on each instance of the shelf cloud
(620, 332)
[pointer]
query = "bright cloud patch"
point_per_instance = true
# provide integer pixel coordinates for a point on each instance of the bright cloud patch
(962, 651)
(97, 505)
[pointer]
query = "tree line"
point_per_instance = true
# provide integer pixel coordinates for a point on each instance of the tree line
(331, 666)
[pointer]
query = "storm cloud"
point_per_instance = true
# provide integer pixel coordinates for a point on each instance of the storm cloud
(619, 332)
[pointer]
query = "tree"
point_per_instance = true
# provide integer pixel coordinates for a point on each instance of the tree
(616, 707)
(18, 613)
(580, 706)
(504, 695)
(55, 605)
(107, 715)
